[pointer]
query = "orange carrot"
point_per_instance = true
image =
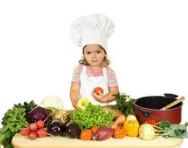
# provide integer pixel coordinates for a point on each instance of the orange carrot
(120, 120)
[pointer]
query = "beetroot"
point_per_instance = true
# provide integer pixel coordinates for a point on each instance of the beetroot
(103, 133)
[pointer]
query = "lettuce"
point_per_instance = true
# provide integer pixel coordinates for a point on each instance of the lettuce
(92, 115)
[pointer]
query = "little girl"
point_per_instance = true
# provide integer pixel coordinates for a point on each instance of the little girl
(91, 33)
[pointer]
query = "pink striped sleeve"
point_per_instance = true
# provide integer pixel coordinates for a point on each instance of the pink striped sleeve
(112, 81)
(76, 74)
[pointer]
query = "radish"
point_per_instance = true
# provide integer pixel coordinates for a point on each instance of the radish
(42, 132)
(40, 124)
(33, 135)
(25, 131)
(33, 126)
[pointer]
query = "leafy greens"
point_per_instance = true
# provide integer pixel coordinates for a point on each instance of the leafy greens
(91, 116)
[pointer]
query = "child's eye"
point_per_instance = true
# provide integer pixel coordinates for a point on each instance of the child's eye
(88, 52)
(98, 51)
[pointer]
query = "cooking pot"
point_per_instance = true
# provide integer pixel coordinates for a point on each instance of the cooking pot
(149, 107)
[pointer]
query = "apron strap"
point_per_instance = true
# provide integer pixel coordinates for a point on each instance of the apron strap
(104, 70)
(84, 68)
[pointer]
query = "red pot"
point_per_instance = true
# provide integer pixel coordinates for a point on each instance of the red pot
(148, 107)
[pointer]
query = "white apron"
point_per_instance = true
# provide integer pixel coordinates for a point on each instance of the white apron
(87, 85)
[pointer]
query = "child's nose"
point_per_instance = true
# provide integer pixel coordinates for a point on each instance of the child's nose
(94, 55)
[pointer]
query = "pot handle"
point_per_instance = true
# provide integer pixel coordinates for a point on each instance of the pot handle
(170, 95)
(145, 113)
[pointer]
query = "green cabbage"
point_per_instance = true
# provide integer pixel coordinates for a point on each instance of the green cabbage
(52, 102)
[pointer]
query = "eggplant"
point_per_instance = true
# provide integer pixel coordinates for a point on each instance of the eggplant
(56, 128)
(73, 130)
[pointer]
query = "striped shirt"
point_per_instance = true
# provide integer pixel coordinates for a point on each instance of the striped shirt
(112, 81)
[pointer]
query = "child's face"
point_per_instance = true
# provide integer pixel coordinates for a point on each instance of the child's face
(94, 54)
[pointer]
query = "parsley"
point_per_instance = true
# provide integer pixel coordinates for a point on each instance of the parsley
(91, 116)
(13, 121)
(124, 103)
(27, 105)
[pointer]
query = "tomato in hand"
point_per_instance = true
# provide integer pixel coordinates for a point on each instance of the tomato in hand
(86, 134)
(119, 133)
(98, 90)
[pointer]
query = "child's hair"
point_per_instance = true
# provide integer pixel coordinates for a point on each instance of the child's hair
(106, 61)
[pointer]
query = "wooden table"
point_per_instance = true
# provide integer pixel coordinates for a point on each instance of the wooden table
(64, 142)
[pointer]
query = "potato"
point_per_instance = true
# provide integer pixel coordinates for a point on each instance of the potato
(103, 133)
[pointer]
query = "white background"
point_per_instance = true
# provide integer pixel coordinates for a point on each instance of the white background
(147, 50)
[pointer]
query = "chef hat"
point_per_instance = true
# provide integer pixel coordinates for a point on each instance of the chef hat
(91, 29)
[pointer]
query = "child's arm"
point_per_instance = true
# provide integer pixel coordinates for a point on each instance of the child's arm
(108, 97)
(74, 94)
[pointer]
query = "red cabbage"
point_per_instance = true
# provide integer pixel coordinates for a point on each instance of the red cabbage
(37, 113)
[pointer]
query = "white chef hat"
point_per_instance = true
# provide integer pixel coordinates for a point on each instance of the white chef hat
(92, 29)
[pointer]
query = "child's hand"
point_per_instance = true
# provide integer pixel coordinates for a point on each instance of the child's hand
(75, 106)
(99, 97)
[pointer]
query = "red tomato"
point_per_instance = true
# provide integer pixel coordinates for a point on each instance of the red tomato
(119, 133)
(86, 134)
(98, 90)
(151, 121)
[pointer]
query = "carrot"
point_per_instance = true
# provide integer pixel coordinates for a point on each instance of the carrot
(120, 120)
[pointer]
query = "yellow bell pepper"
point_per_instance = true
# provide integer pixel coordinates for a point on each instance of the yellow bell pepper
(131, 128)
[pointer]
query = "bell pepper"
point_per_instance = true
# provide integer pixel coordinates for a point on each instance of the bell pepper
(131, 128)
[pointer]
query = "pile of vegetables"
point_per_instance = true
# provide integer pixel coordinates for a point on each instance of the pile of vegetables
(13, 121)
(92, 115)
(91, 122)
